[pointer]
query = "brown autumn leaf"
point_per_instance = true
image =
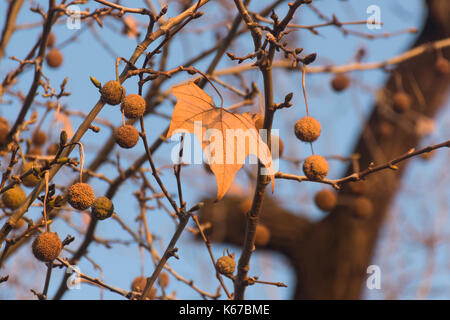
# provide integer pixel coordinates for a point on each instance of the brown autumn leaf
(227, 138)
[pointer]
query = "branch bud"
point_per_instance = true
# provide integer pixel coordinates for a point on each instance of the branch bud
(63, 138)
(95, 82)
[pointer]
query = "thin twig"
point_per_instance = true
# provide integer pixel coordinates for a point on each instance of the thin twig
(337, 183)
(208, 246)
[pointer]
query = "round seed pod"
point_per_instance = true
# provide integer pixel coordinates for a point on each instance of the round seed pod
(126, 136)
(4, 131)
(307, 129)
(401, 102)
(164, 279)
(112, 92)
(259, 122)
(138, 285)
(245, 205)
(102, 208)
(19, 224)
(226, 265)
(51, 40)
(4, 123)
(53, 149)
(14, 197)
(262, 235)
(315, 167)
(80, 196)
(51, 105)
(277, 142)
(442, 66)
(39, 138)
(428, 155)
(3, 136)
(357, 187)
(340, 82)
(47, 246)
(362, 208)
(54, 58)
(30, 180)
(385, 129)
(34, 151)
(325, 200)
(133, 106)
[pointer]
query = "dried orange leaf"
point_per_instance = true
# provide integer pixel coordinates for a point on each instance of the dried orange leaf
(227, 138)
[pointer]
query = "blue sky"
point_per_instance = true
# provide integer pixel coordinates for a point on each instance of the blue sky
(341, 117)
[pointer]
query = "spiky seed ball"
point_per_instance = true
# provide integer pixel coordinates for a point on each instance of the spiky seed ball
(138, 285)
(385, 129)
(226, 265)
(47, 246)
(442, 66)
(325, 200)
(4, 131)
(30, 180)
(80, 196)
(51, 40)
(262, 235)
(245, 205)
(102, 208)
(53, 149)
(428, 155)
(357, 187)
(3, 135)
(133, 106)
(19, 224)
(277, 143)
(14, 197)
(34, 151)
(315, 167)
(51, 105)
(280, 146)
(4, 123)
(164, 279)
(39, 138)
(259, 122)
(126, 136)
(307, 129)
(340, 82)
(112, 92)
(362, 207)
(54, 58)
(401, 102)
